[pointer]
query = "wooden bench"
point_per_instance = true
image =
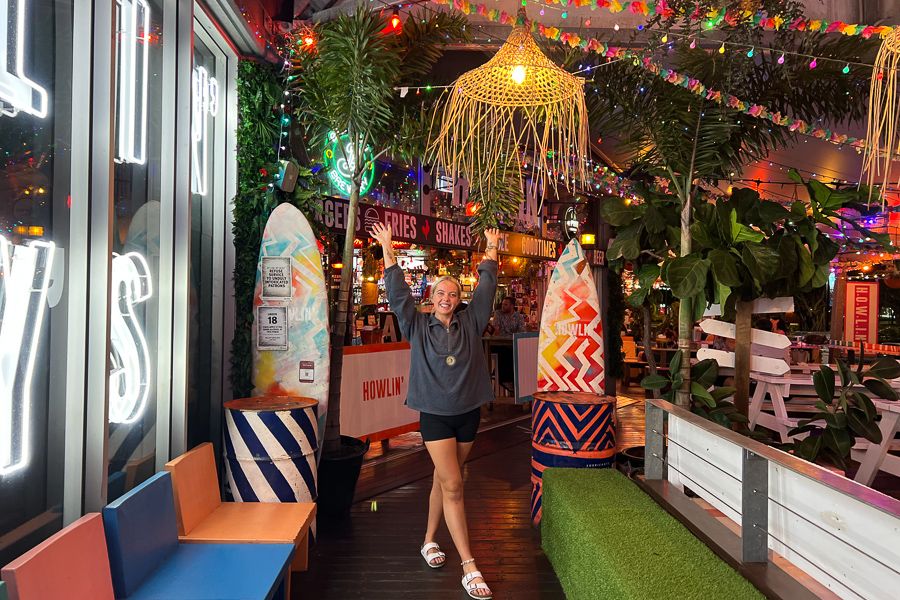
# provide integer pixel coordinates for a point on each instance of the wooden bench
(607, 539)
(203, 517)
(147, 561)
(71, 563)
(780, 403)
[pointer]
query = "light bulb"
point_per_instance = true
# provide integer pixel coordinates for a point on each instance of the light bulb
(722, 48)
(813, 64)
(616, 27)
(565, 15)
(750, 53)
(846, 69)
(518, 74)
(665, 38)
(693, 44)
(781, 59)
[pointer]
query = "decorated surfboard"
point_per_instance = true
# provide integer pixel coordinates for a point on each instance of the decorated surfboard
(570, 345)
(290, 330)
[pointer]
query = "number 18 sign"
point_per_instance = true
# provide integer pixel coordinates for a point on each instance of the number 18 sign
(271, 328)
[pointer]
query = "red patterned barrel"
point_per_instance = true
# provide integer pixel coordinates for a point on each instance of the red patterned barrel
(569, 430)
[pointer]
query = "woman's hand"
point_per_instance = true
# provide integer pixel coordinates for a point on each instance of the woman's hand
(382, 233)
(493, 243)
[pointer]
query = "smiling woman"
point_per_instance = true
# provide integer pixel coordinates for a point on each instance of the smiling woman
(448, 383)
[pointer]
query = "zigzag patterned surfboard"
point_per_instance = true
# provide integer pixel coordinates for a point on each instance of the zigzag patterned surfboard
(292, 357)
(572, 421)
(570, 347)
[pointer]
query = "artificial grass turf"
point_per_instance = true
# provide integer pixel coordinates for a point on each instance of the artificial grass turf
(608, 540)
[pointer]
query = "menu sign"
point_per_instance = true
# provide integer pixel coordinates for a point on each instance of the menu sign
(431, 231)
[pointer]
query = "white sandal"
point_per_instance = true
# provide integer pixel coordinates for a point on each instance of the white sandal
(472, 587)
(433, 556)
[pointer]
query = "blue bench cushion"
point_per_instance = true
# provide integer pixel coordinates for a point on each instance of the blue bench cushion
(219, 572)
(141, 532)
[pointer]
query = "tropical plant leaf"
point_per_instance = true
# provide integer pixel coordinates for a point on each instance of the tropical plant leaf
(705, 371)
(675, 362)
(724, 268)
(701, 393)
(719, 394)
(824, 384)
(861, 425)
(617, 212)
(884, 368)
(687, 275)
(742, 233)
(761, 260)
(654, 382)
(627, 243)
(881, 389)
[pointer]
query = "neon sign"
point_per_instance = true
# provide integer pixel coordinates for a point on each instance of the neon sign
(204, 103)
(340, 160)
(133, 56)
(129, 377)
(25, 276)
(16, 89)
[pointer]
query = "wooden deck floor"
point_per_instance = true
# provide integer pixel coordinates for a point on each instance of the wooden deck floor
(374, 553)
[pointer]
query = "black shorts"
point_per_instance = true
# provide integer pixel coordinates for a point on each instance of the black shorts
(442, 427)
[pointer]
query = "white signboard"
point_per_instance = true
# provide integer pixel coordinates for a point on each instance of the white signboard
(759, 364)
(762, 306)
(372, 400)
(277, 280)
(271, 328)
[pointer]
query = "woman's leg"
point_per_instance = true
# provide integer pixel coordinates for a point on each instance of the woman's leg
(445, 455)
(436, 499)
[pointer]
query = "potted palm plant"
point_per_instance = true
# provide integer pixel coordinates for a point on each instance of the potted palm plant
(346, 80)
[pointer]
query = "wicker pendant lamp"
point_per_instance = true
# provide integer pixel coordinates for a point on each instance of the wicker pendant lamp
(883, 135)
(518, 99)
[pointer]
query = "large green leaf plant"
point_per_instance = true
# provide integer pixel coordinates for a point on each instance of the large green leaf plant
(844, 412)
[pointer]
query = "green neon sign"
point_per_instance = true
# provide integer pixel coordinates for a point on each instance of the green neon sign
(340, 161)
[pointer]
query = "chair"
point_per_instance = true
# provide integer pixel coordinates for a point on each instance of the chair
(3, 594)
(70, 564)
(631, 360)
(204, 518)
(147, 561)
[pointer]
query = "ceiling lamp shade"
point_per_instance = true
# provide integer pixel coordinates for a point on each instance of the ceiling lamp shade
(518, 100)
(883, 135)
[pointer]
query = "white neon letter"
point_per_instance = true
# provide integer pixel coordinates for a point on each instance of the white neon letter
(24, 280)
(133, 44)
(204, 102)
(129, 377)
(16, 88)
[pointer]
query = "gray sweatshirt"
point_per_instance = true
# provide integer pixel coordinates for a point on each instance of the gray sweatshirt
(439, 385)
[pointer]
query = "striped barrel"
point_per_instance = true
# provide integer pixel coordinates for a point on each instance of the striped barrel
(270, 449)
(569, 430)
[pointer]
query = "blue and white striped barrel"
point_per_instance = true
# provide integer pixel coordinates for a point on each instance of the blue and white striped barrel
(270, 449)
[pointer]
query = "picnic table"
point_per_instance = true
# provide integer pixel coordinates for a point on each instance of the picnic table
(782, 389)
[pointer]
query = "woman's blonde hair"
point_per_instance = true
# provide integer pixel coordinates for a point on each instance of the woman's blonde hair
(444, 278)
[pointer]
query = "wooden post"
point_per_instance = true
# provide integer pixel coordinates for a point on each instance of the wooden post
(742, 356)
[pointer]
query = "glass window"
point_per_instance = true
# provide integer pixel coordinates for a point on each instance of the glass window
(134, 306)
(36, 64)
(208, 200)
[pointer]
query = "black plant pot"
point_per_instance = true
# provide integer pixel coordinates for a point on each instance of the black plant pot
(338, 474)
(631, 460)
